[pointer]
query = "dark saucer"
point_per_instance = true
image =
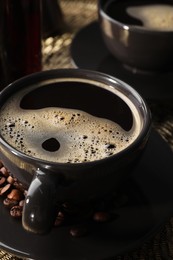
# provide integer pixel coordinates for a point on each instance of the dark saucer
(88, 51)
(149, 205)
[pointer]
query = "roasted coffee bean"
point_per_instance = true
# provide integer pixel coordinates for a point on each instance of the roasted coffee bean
(15, 194)
(101, 216)
(10, 179)
(18, 185)
(21, 203)
(25, 193)
(5, 189)
(16, 211)
(59, 219)
(9, 203)
(4, 171)
(2, 180)
(78, 231)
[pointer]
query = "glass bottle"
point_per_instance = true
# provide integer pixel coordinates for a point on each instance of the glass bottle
(20, 39)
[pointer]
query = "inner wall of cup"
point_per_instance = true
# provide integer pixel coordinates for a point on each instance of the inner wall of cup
(83, 96)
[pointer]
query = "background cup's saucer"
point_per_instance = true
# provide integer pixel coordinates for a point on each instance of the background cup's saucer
(149, 205)
(88, 51)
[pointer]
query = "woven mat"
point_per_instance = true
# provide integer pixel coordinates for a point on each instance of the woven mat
(56, 54)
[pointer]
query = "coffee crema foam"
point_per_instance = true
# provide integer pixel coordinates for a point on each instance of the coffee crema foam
(157, 17)
(77, 136)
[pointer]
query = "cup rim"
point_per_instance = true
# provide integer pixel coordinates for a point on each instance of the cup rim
(79, 73)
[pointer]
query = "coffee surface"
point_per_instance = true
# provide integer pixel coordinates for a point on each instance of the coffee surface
(149, 14)
(158, 17)
(60, 134)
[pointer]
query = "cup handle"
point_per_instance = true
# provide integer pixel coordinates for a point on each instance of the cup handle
(39, 211)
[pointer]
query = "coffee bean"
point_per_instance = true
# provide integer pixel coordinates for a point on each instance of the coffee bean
(78, 231)
(9, 203)
(16, 211)
(2, 180)
(101, 216)
(25, 193)
(15, 194)
(4, 171)
(21, 203)
(10, 179)
(18, 185)
(59, 219)
(5, 189)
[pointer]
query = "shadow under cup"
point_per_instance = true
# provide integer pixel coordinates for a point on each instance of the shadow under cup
(52, 183)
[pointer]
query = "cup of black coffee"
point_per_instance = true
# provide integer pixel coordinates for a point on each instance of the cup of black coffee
(138, 33)
(71, 136)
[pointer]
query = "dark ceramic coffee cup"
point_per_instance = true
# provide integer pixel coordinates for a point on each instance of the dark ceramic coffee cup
(51, 183)
(133, 42)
